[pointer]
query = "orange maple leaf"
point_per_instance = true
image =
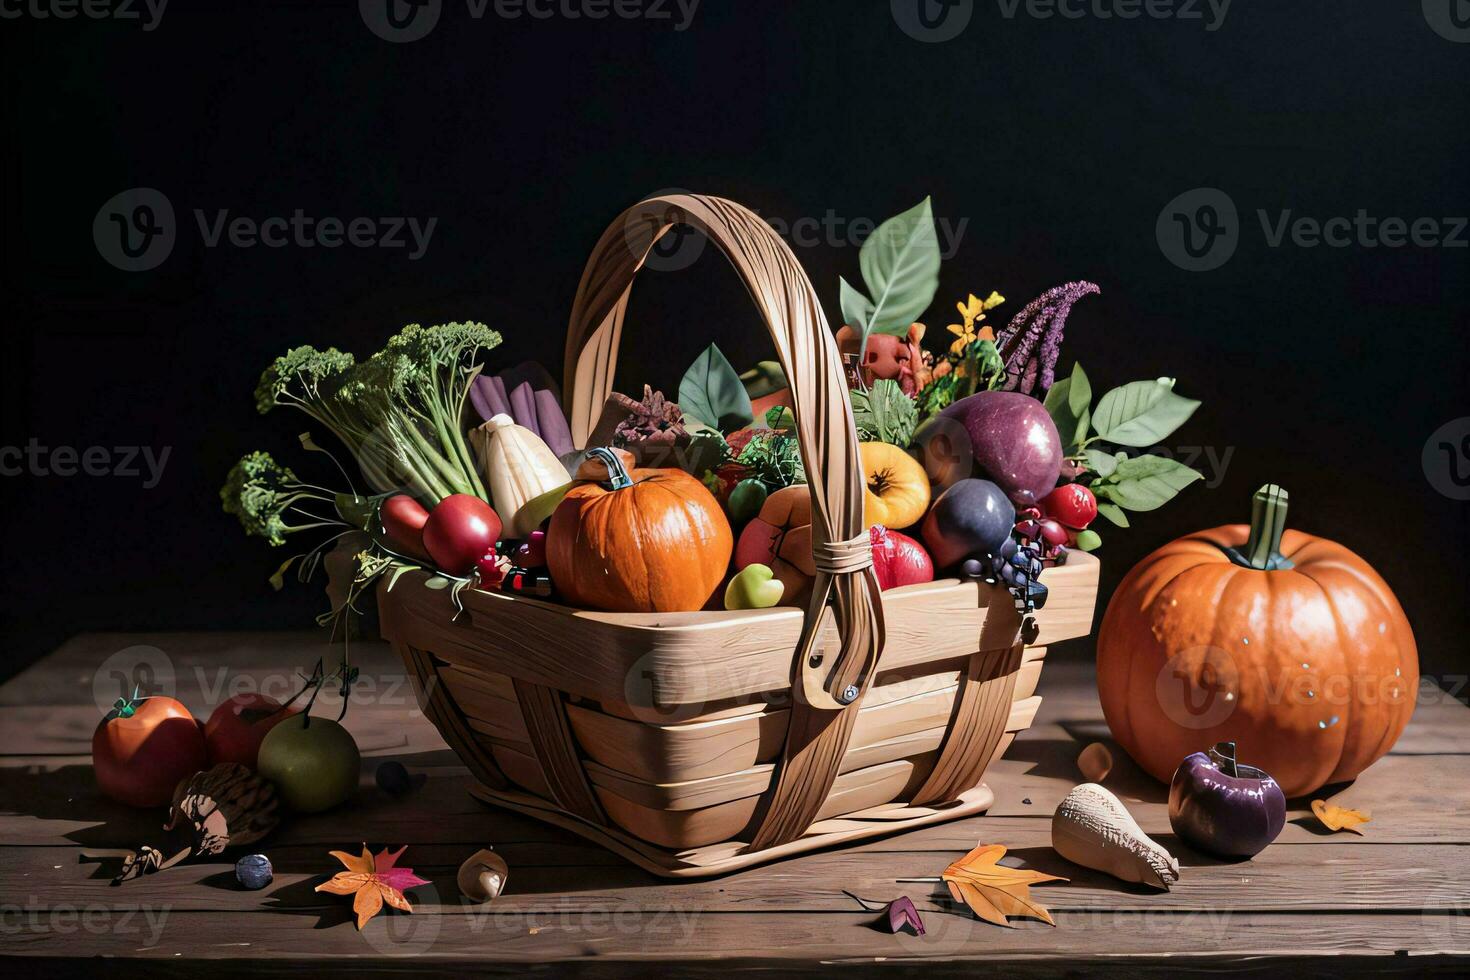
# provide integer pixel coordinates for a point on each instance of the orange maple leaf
(992, 892)
(373, 881)
(1334, 817)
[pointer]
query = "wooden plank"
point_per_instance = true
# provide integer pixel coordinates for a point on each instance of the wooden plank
(670, 939)
(1283, 878)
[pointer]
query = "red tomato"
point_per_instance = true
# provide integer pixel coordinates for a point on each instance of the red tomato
(141, 751)
(1071, 504)
(461, 529)
(403, 520)
(235, 728)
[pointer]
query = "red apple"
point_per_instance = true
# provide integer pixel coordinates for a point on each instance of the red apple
(898, 559)
(461, 530)
(236, 728)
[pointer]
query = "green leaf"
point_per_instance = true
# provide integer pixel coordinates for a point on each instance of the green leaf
(766, 378)
(857, 309)
(884, 413)
(900, 265)
(1148, 482)
(1071, 425)
(1079, 392)
(1112, 512)
(1142, 413)
(712, 392)
(1101, 463)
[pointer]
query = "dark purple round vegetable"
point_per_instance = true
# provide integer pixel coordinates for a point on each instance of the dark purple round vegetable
(1013, 440)
(974, 568)
(1223, 807)
(971, 518)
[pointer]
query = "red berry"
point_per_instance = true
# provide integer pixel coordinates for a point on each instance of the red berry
(1071, 504)
(1053, 533)
(532, 553)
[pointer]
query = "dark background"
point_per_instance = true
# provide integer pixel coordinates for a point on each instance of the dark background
(1058, 141)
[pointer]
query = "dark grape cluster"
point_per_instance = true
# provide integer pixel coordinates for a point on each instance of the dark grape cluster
(1018, 565)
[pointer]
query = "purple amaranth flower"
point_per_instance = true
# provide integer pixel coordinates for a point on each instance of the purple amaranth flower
(1032, 341)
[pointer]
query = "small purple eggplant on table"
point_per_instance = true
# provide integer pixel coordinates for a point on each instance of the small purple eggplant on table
(1224, 807)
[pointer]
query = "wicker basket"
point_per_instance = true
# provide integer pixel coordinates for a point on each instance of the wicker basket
(702, 742)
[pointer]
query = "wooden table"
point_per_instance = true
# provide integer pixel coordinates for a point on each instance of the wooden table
(1394, 900)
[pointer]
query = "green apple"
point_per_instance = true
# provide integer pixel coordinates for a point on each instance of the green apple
(753, 587)
(312, 761)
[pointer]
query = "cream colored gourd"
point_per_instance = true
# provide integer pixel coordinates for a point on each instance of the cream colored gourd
(1093, 828)
(519, 467)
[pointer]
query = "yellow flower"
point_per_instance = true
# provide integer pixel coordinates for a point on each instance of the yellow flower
(973, 312)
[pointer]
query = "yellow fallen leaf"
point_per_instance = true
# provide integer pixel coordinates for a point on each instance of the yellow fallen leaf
(992, 892)
(1334, 817)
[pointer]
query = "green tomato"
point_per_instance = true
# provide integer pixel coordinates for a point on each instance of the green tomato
(1089, 540)
(753, 587)
(314, 766)
(746, 500)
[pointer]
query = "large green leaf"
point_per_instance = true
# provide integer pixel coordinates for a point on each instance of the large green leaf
(857, 309)
(900, 265)
(1063, 407)
(1103, 463)
(1146, 482)
(711, 392)
(1079, 392)
(1141, 413)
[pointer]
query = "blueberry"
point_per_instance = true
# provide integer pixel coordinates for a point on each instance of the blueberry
(393, 779)
(253, 871)
(973, 568)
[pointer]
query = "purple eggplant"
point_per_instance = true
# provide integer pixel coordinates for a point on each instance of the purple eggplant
(1222, 807)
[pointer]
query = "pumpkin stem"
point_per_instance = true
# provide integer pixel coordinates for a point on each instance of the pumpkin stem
(1268, 523)
(617, 474)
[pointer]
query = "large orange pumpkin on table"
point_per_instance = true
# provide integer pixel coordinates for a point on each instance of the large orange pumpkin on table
(649, 540)
(1287, 644)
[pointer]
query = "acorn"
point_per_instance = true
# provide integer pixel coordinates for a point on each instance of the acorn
(222, 807)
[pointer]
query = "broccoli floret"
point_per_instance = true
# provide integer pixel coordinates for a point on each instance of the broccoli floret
(299, 376)
(260, 492)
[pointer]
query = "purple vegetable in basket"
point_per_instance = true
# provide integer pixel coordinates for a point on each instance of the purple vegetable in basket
(1223, 807)
(1013, 440)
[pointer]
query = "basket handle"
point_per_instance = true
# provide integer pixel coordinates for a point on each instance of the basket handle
(824, 425)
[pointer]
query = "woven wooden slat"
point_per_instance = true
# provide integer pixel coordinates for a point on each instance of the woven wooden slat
(979, 721)
(825, 683)
(556, 750)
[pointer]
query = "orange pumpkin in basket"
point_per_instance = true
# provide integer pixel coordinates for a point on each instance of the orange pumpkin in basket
(653, 540)
(1287, 644)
